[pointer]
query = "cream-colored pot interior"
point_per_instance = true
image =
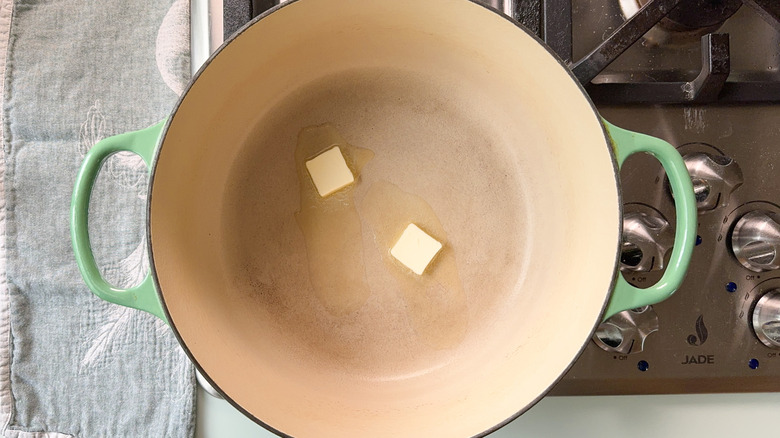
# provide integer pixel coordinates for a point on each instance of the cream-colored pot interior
(462, 110)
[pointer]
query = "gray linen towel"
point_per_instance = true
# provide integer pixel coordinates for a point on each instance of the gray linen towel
(71, 364)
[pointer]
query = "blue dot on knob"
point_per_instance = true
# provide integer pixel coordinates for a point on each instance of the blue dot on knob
(698, 240)
(731, 286)
(642, 365)
(753, 364)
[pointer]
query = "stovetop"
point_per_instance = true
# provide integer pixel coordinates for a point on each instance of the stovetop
(712, 93)
(712, 90)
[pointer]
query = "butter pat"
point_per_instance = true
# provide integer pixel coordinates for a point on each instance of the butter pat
(415, 249)
(329, 171)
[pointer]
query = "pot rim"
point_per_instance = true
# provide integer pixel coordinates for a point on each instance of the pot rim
(161, 141)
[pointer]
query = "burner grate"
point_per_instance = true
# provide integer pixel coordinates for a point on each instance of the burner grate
(710, 85)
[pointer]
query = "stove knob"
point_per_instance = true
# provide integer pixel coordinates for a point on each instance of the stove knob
(756, 240)
(714, 177)
(766, 319)
(647, 237)
(626, 331)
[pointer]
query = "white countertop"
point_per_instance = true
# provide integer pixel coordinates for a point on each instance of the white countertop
(646, 416)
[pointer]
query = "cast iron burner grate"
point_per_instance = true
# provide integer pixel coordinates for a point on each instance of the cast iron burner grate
(710, 85)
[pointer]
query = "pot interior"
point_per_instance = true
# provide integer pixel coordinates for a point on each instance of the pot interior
(469, 128)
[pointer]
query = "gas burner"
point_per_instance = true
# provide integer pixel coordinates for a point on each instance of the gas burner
(699, 14)
(687, 22)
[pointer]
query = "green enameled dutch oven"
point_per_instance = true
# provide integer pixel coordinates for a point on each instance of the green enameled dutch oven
(449, 116)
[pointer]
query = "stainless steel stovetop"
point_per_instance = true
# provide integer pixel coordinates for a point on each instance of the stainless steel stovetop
(721, 331)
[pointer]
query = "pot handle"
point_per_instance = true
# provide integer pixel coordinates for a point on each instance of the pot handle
(626, 143)
(143, 296)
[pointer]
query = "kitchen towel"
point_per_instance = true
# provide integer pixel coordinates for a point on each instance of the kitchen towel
(72, 365)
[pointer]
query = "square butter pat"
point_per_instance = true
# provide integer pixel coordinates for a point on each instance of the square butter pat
(329, 171)
(415, 249)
